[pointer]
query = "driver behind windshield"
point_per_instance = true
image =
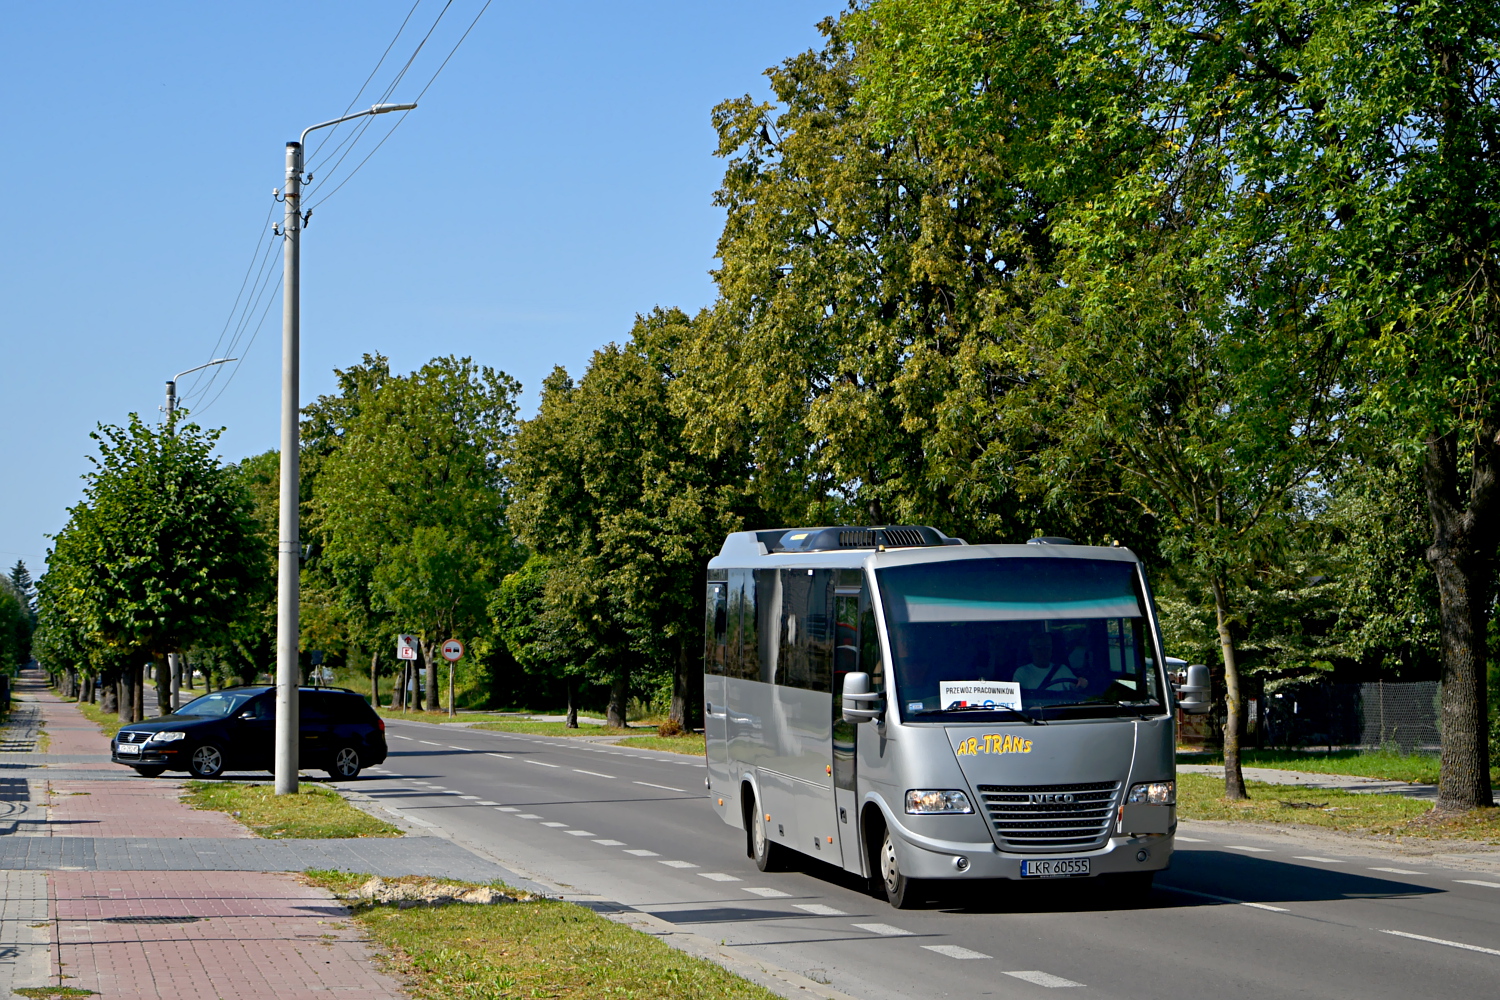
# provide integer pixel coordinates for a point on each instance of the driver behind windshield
(1044, 673)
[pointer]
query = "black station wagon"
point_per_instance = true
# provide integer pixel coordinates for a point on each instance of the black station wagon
(234, 730)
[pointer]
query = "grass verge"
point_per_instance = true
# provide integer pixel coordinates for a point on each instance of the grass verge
(561, 729)
(1201, 796)
(465, 717)
(314, 812)
(541, 948)
(1383, 764)
(687, 743)
(108, 722)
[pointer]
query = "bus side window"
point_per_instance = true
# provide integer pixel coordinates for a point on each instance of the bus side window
(716, 629)
(744, 651)
(869, 644)
(845, 636)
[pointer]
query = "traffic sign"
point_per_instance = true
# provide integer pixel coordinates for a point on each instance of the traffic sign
(453, 650)
(406, 647)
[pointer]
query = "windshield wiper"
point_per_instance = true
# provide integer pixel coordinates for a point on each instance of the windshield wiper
(1001, 709)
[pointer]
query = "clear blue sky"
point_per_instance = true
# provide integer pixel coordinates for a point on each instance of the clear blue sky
(557, 180)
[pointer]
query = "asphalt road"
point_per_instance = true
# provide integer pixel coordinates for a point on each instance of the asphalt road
(1238, 914)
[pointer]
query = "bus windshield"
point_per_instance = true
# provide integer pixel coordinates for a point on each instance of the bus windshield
(1018, 635)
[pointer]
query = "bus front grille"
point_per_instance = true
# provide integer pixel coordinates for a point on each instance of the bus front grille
(1051, 818)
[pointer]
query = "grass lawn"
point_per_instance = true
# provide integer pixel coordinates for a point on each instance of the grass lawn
(688, 743)
(541, 948)
(466, 717)
(108, 722)
(1201, 796)
(1384, 764)
(314, 811)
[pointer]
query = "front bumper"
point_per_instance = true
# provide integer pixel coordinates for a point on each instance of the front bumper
(167, 755)
(921, 857)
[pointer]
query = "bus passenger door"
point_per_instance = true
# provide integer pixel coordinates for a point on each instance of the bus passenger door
(846, 650)
(716, 698)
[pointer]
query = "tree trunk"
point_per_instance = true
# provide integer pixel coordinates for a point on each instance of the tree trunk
(1234, 778)
(162, 672)
(680, 693)
(432, 677)
(1462, 557)
(572, 722)
(619, 697)
(111, 697)
(375, 679)
(138, 692)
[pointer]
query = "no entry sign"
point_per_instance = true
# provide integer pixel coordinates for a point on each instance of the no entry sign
(453, 650)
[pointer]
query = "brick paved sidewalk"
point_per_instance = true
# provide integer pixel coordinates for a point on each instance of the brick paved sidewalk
(159, 934)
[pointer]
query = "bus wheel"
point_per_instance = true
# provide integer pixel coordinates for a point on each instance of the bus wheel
(769, 855)
(903, 893)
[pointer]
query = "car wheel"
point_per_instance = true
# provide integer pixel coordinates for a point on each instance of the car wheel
(150, 772)
(902, 892)
(345, 764)
(207, 762)
(769, 855)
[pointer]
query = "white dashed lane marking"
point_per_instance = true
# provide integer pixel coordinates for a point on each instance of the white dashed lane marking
(1043, 979)
(767, 893)
(611, 843)
(554, 824)
(820, 910)
(640, 853)
(1226, 899)
(578, 833)
(543, 763)
(594, 774)
(884, 930)
(1450, 944)
(487, 802)
(667, 788)
(430, 743)
(527, 816)
(677, 864)
(720, 877)
(1398, 871)
(954, 951)
(507, 809)
(395, 737)
(1322, 861)
(1191, 840)
(1475, 881)
(1252, 850)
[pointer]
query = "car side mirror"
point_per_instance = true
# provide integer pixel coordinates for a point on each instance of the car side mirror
(860, 703)
(1193, 696)
(246, 716)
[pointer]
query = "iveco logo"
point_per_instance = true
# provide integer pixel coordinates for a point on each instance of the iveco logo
(1047, 798)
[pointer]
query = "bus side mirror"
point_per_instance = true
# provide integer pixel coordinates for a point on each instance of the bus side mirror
(860, 703)
(1193, 696)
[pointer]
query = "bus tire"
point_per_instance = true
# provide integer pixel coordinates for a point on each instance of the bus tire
(769, 856)
(901, 892)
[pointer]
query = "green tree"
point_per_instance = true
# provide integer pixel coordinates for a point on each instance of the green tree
(543, 640)
(402, 453)
(23, 593)
(163, 552)
(626, 516)
(1201, 370)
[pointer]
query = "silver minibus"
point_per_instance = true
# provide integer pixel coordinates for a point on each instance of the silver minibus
(912, 708)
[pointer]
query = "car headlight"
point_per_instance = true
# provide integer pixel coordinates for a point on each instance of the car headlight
(1153, 793)
(167, 736)
(928, 800)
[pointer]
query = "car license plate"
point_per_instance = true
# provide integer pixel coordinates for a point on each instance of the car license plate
(1054, 867)
(128, 749)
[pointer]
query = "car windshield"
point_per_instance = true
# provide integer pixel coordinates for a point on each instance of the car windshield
(219, 705)
(1023, 634)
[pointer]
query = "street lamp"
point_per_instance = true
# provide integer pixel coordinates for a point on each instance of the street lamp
(172, 383)
(289, 547)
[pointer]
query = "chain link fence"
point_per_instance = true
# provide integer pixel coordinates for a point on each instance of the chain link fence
(1380, 715)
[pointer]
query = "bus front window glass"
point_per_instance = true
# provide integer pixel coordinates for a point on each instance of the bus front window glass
(1027, 633)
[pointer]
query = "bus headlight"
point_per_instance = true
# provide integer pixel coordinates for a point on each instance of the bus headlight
(927, 800)
(1153, 793)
